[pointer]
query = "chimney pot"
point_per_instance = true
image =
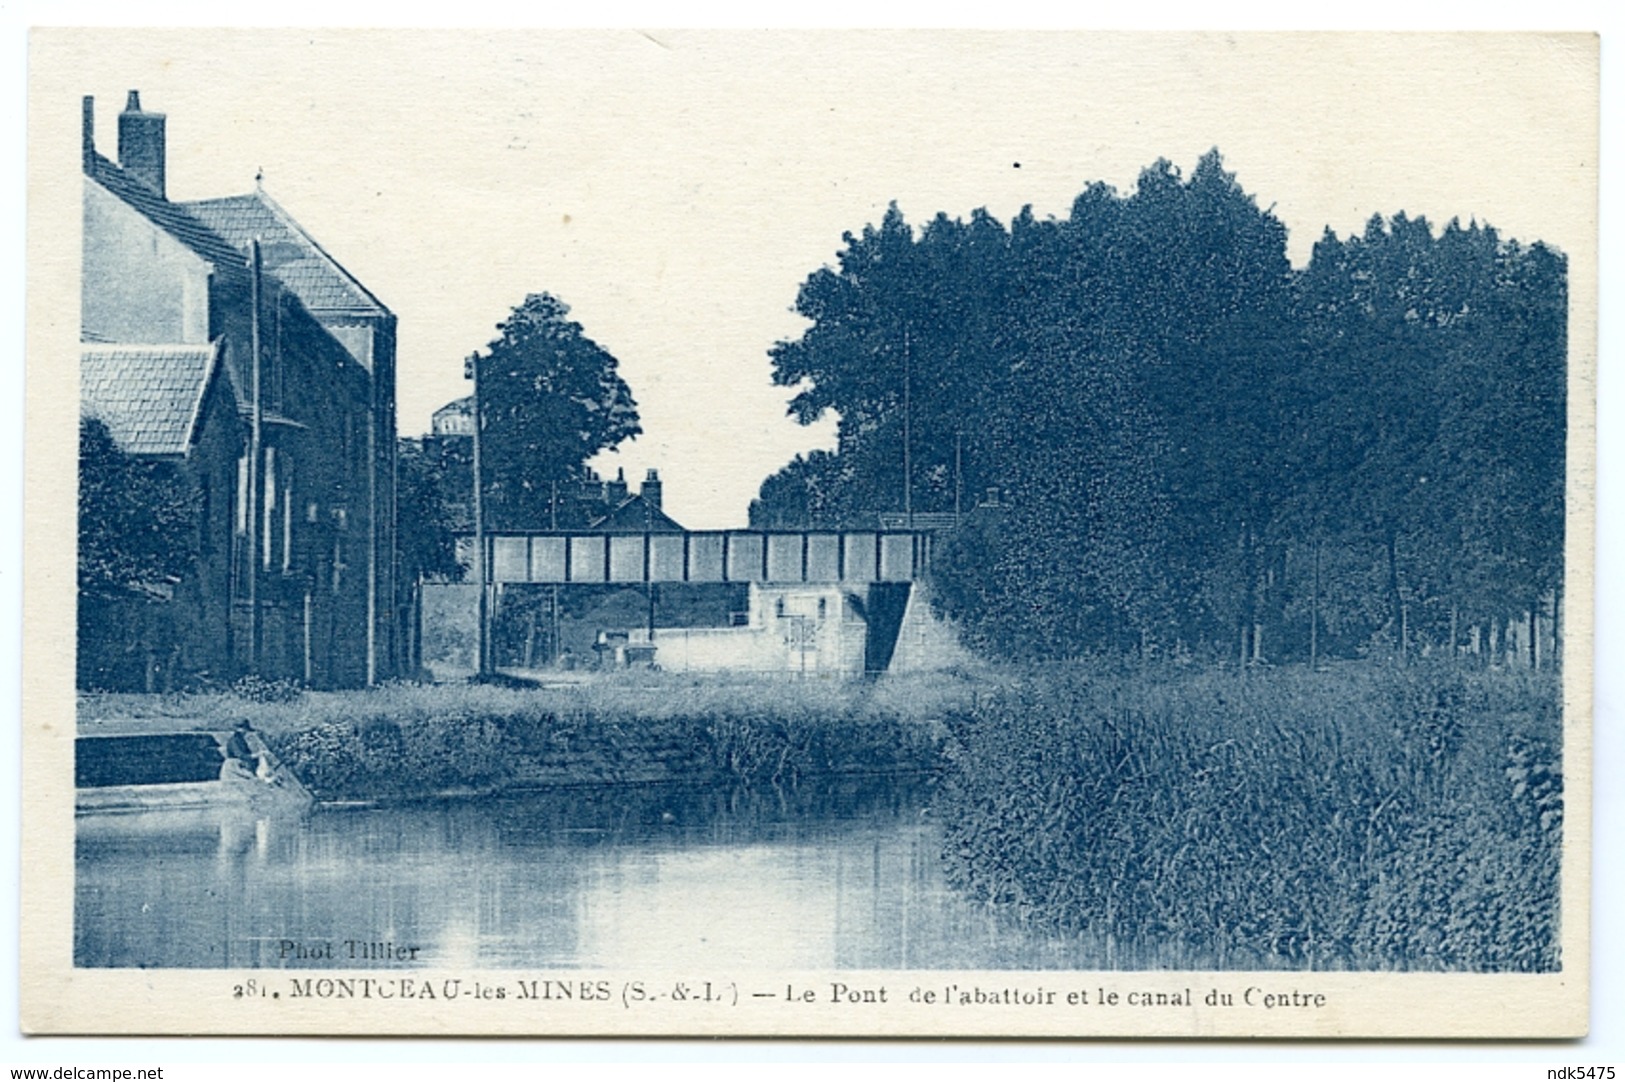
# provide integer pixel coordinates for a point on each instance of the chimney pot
(141, 144)
(651, 491)
(615, 491)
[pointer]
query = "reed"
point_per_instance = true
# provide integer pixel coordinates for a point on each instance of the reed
(1364, 818)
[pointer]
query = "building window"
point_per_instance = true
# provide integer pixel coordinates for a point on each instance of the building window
(268, 517)
(287, 527)
(242, 497)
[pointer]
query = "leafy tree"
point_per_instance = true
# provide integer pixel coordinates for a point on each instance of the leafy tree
(138, 522)
(137, 518)
(1436, 368)
(550, 399)
(433, 479)
(806, 494)
(903, 341)
(1196, 446)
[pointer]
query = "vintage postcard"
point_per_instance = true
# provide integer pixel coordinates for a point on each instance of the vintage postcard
(969, 534)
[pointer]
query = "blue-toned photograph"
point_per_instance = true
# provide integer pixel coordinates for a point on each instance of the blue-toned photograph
(677, 500)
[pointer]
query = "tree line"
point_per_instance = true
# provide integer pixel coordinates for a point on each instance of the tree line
(1161, 437)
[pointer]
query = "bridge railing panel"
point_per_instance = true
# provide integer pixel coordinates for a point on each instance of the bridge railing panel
(666, 557)
(896, 557)
(785, 555)
(510, 561)
(588, 559)
(746, 557)
(626, 558)
(823, 557)
(547, 559)
(860, 557)
(705, 563)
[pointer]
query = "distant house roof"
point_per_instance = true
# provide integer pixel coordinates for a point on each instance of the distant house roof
(635, 515)
(455, 418)
(149, 397)
(172, 218)
(319, 281)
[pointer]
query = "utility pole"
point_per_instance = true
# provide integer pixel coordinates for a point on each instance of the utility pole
(482, 570)
(1314, 617)
(256, 439)
(959, 472)
(553, 609)
(908, 479)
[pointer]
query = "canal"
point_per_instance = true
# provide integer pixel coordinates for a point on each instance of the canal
(839, 876)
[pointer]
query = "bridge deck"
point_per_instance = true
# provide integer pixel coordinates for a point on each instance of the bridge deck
(764, 556)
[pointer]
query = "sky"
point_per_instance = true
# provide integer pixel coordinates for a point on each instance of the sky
(675, 188)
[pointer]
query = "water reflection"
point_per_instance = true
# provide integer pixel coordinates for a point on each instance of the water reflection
(846, 876)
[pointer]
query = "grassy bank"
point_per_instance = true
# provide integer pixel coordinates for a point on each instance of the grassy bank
(1361, 818)
(1365, 817)
(406, 741)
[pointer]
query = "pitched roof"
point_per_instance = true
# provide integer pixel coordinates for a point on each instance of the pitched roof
(319, 281)
(635, 515)
(149, 397)
(172, 218)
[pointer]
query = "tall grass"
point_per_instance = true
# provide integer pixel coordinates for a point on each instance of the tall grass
(406, 741)
(1362, 818)
(625, 696)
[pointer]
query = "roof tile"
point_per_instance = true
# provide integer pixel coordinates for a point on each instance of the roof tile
(147, 396)
(289, 253)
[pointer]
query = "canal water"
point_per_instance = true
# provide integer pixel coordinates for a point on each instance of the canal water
(843, 876)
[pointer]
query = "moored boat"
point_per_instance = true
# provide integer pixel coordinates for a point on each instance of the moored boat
(191, 770)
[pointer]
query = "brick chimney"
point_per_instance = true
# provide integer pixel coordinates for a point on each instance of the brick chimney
(651, 489)
(615, 491)
(590, 489)
(88, 132)
(141, 144)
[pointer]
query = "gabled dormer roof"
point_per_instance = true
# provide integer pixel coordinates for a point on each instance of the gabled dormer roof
(150, 397)
(320, 282)
(172, 218)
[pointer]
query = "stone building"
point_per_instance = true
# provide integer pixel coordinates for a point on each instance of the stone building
(200, 345)
(349, 312)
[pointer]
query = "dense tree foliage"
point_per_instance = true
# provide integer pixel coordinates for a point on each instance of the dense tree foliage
(433, 486)
(550, 399)
(138, 531)
(1191, 445)
(137, 519)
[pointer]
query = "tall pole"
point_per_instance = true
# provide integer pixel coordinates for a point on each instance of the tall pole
(482, 571)
(959, 472)
(256, 435)
(372, 528)
(553, 609)
(1314, 617)
(908, 479)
